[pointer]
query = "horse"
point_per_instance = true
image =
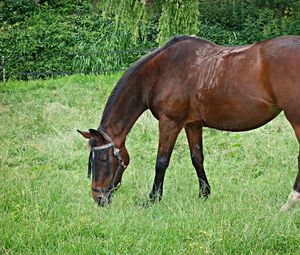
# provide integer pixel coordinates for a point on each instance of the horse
(190, 83)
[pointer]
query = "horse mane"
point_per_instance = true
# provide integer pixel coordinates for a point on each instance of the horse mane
(122, 82)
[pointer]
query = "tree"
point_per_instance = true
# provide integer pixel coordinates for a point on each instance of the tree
(174, 16)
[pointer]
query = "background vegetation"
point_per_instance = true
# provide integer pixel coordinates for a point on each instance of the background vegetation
(35, 33)
(45, 197)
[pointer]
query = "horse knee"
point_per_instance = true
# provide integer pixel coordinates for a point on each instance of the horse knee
(162, 164)
(197, 160)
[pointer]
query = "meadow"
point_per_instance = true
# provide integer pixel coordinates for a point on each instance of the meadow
(45, 197)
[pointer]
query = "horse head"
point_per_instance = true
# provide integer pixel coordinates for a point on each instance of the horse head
(106, 164)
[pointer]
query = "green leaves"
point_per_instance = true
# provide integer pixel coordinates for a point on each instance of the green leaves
(36, 32)
(178, 17)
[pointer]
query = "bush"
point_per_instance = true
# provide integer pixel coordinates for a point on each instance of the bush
(14, 11)
(38, 35)
(29, 45)
(43, 41)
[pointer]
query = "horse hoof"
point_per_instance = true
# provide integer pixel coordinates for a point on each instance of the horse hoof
(144, 204)
(155, 197)
(293, 198)
(285, 208)
(204, 196)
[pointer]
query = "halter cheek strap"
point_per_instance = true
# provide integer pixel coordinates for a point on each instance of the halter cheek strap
(93, 163)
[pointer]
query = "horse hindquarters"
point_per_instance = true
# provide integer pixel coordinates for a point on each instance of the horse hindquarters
(281, 57)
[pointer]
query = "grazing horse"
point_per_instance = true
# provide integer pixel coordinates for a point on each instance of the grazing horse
(193, 83)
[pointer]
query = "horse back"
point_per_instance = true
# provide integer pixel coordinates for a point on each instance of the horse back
(228, 88)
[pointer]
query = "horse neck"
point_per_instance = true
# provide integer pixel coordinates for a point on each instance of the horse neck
(123, 108)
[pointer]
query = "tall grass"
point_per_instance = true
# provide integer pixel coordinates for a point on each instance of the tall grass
(45, 197)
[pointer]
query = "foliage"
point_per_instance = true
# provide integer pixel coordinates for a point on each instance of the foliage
(14, 11)
(125, 28)
(178, 17)
(45, 39)
(45, 34)
(38, 35)
(234, 22)
(127, 15)
(41, 37)
(45, 196)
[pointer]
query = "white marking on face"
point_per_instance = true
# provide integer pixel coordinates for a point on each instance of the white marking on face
(293, 198)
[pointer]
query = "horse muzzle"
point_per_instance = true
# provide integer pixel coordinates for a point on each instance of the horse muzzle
(104, 199)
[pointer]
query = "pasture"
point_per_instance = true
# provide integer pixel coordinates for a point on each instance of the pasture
(45, 197)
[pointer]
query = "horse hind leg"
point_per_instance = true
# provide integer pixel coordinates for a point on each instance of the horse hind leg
(294, 196)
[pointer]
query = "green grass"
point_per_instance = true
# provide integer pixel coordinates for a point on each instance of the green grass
(45, 197)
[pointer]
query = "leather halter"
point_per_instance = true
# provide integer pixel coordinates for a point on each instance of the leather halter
(93, 163)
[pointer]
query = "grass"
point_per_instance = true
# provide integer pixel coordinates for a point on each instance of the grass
(45, 197)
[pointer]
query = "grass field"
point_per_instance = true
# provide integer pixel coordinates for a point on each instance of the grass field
(45, 197)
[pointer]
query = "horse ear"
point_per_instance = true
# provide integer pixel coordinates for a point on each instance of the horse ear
(85, 134)
(95, 133)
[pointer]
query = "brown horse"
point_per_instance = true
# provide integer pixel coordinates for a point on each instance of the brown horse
(192, 83)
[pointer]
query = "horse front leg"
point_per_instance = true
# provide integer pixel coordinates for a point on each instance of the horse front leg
(168, 132)
(194, 136)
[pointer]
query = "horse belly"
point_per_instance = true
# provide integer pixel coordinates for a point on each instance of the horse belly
(232, 115)
(235, 96)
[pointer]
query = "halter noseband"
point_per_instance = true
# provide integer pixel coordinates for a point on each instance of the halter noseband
(93, 163)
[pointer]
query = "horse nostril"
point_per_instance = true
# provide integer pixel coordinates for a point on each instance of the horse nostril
(103, 200)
